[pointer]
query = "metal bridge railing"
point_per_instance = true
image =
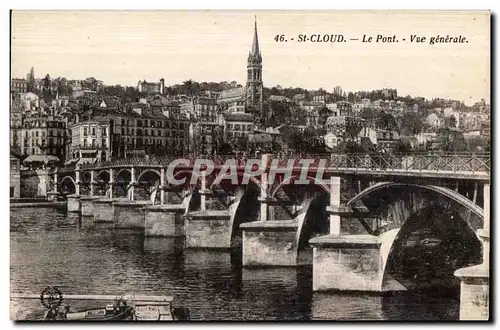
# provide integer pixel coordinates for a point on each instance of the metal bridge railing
(449, 162)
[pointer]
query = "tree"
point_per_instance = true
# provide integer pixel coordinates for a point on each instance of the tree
(453, 121)
(47, 89)
(478, 144)
(281, 113)
(351, 97)
(410, 124)
(349, 147)
(385, 121)
(368, 114)
(450, 141)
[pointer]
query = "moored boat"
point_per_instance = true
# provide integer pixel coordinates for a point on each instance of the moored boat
(128, 308)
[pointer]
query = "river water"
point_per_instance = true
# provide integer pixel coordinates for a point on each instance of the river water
(50, 247)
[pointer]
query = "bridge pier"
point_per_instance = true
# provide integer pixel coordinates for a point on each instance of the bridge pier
(165, 220)
(270, 243)
(263, 197)
(162, 186)
(353, 263)
(208, 229)
(52, 195)
(129, 214)
(103, 210)
(334, 203)
(203, 193)
(475, 280)
(73, 203)
(87, 205)
(350, 262)
(131, 188)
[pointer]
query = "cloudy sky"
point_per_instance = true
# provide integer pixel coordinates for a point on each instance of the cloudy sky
(123, 47)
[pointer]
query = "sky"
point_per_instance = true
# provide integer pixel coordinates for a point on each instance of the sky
(123, 47)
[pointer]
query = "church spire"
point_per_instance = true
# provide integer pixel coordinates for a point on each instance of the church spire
(255, 45)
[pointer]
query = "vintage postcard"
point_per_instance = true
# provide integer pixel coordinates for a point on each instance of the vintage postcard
(250, 165)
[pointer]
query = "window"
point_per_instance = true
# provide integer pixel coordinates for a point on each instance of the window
(94, 143)
(104, 143)
(93, 131)
(84, 131)
(13, 165)
(85, 143)
(36, 133)
(104, 131)
(123, 122)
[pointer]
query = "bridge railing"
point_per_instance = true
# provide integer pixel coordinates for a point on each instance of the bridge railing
(409, 162)
(450, 162)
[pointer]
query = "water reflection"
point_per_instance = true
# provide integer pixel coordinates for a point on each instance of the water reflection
(52, 248)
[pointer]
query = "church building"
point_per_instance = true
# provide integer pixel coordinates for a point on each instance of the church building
(249, 98)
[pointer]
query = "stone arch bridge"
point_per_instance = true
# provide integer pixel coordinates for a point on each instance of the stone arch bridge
(345, 214)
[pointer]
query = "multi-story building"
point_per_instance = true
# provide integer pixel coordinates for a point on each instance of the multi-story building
(18, 85)
(238, 125)
(321, 98)
(485, 129)
(15, 174)
(137, 130)
(206, 135)
(201, 108)
(380, 137)
(366, 102)
(30, 101)
(346, 126)
(435, 120)
(390, 93)
(151, 87)
(43, 135)
(86, 99)
(90, 140)
(341, 108)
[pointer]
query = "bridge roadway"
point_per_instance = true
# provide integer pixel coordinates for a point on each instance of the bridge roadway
(451, 166)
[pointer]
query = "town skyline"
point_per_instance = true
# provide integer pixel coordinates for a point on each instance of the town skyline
(149, 53)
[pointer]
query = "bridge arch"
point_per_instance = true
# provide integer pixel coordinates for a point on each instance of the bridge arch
(416, 220)
(86, 176)
(322, 185)
(101, 172)
(251, 179)
(67, 180)
(149, 170)
(449, 193)
(123, 170)
(244, 208)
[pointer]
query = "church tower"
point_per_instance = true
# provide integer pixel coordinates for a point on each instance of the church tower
(254, 75)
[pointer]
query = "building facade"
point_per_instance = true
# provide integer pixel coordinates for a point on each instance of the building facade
(43, 135)
(90, 140)
(18, 85)
(151, 87)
